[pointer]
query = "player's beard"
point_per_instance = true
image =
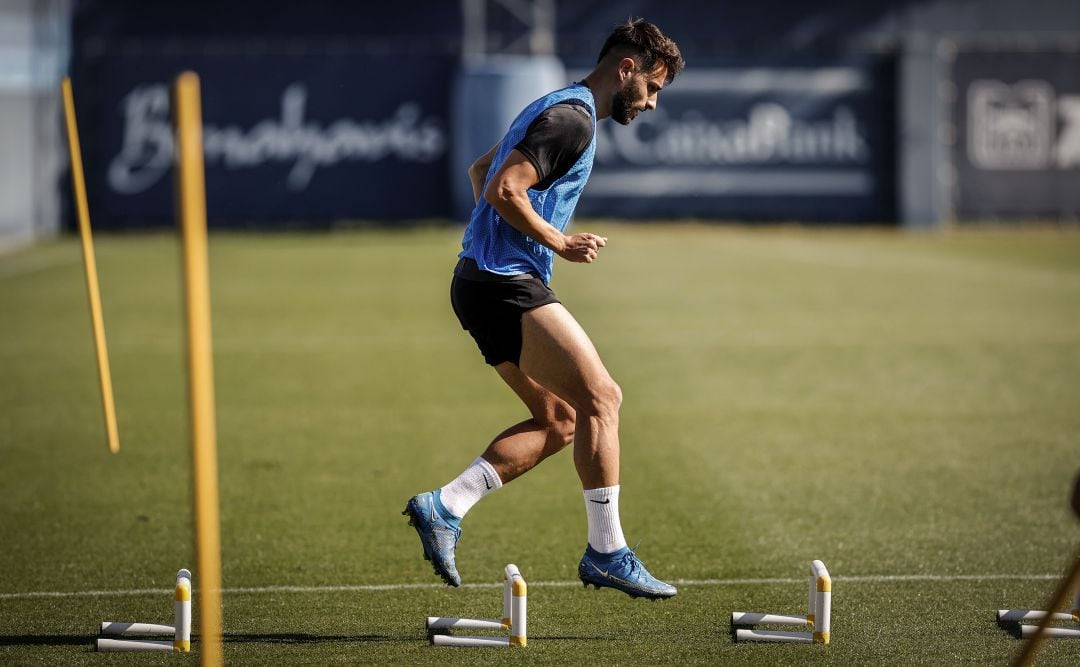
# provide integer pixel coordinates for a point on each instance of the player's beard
(622, 104)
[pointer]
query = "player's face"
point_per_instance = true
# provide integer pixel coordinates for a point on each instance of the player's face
(638, 93)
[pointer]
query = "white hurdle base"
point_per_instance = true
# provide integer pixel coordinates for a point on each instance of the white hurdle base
(754, 618)
(180, 630)
(818, 615)
(1031, 615)
(118, 629)
(450, 640)
(1028, 631)
(450, 623)
(119, 645)
(743, 635)
(515, 604)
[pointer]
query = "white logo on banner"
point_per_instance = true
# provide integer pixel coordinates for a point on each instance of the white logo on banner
(826, 156)
(147, 151)
(1011, 127)
(768, 135)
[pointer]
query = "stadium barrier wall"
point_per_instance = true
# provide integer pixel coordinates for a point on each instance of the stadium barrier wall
(300, 137)
(326, 111)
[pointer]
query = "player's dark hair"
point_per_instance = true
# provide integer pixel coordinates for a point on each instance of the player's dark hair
(645, 41)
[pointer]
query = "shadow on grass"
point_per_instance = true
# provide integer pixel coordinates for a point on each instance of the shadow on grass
(45, 640)
(570, 638)
(254, 638)
(1012, 628)
(539, 638)
(301, 638)
(269, 638)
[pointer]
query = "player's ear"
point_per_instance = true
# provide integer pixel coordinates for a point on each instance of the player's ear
(626, 68)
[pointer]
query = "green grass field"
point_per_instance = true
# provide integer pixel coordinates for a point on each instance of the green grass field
(903, 407)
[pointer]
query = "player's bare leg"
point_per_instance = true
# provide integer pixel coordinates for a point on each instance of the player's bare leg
(437, 514)
(521, 447)
(557, 354)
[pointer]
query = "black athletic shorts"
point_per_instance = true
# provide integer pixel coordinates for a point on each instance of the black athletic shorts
(490, 306)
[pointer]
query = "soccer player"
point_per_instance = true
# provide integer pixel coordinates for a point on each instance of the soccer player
(526, 188)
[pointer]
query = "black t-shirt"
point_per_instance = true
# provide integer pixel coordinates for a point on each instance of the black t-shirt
(555, 140)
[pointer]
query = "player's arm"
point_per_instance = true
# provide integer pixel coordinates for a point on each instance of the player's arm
(507, 192)
(478, 171)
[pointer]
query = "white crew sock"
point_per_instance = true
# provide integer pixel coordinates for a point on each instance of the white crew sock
(605, 529)
(478, 480)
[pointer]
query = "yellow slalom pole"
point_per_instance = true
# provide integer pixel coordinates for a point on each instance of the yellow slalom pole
(78, 184)
(191, 194)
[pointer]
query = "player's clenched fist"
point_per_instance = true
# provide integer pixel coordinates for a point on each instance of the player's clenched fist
(582, 247)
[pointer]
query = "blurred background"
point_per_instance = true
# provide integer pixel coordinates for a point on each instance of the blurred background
(912, 113)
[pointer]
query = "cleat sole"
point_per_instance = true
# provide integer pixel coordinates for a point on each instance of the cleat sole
(635, 595)
(413, 523)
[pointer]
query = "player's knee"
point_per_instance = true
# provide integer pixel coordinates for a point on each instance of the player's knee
(605, 399)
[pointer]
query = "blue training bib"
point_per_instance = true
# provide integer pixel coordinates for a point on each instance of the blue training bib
(492, 242)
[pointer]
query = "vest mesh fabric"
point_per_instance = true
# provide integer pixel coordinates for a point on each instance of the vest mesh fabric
(492, 242)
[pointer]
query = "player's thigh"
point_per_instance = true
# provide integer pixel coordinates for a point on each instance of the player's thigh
(557, 353)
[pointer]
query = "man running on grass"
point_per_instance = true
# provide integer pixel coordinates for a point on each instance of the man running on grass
(526, 188)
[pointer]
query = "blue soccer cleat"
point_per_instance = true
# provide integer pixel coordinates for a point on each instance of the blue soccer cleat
(622, 571)
(438, 536)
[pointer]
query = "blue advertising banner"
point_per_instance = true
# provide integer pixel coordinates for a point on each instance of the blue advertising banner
(755, 142)
(1016, 150)
(307, 137)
